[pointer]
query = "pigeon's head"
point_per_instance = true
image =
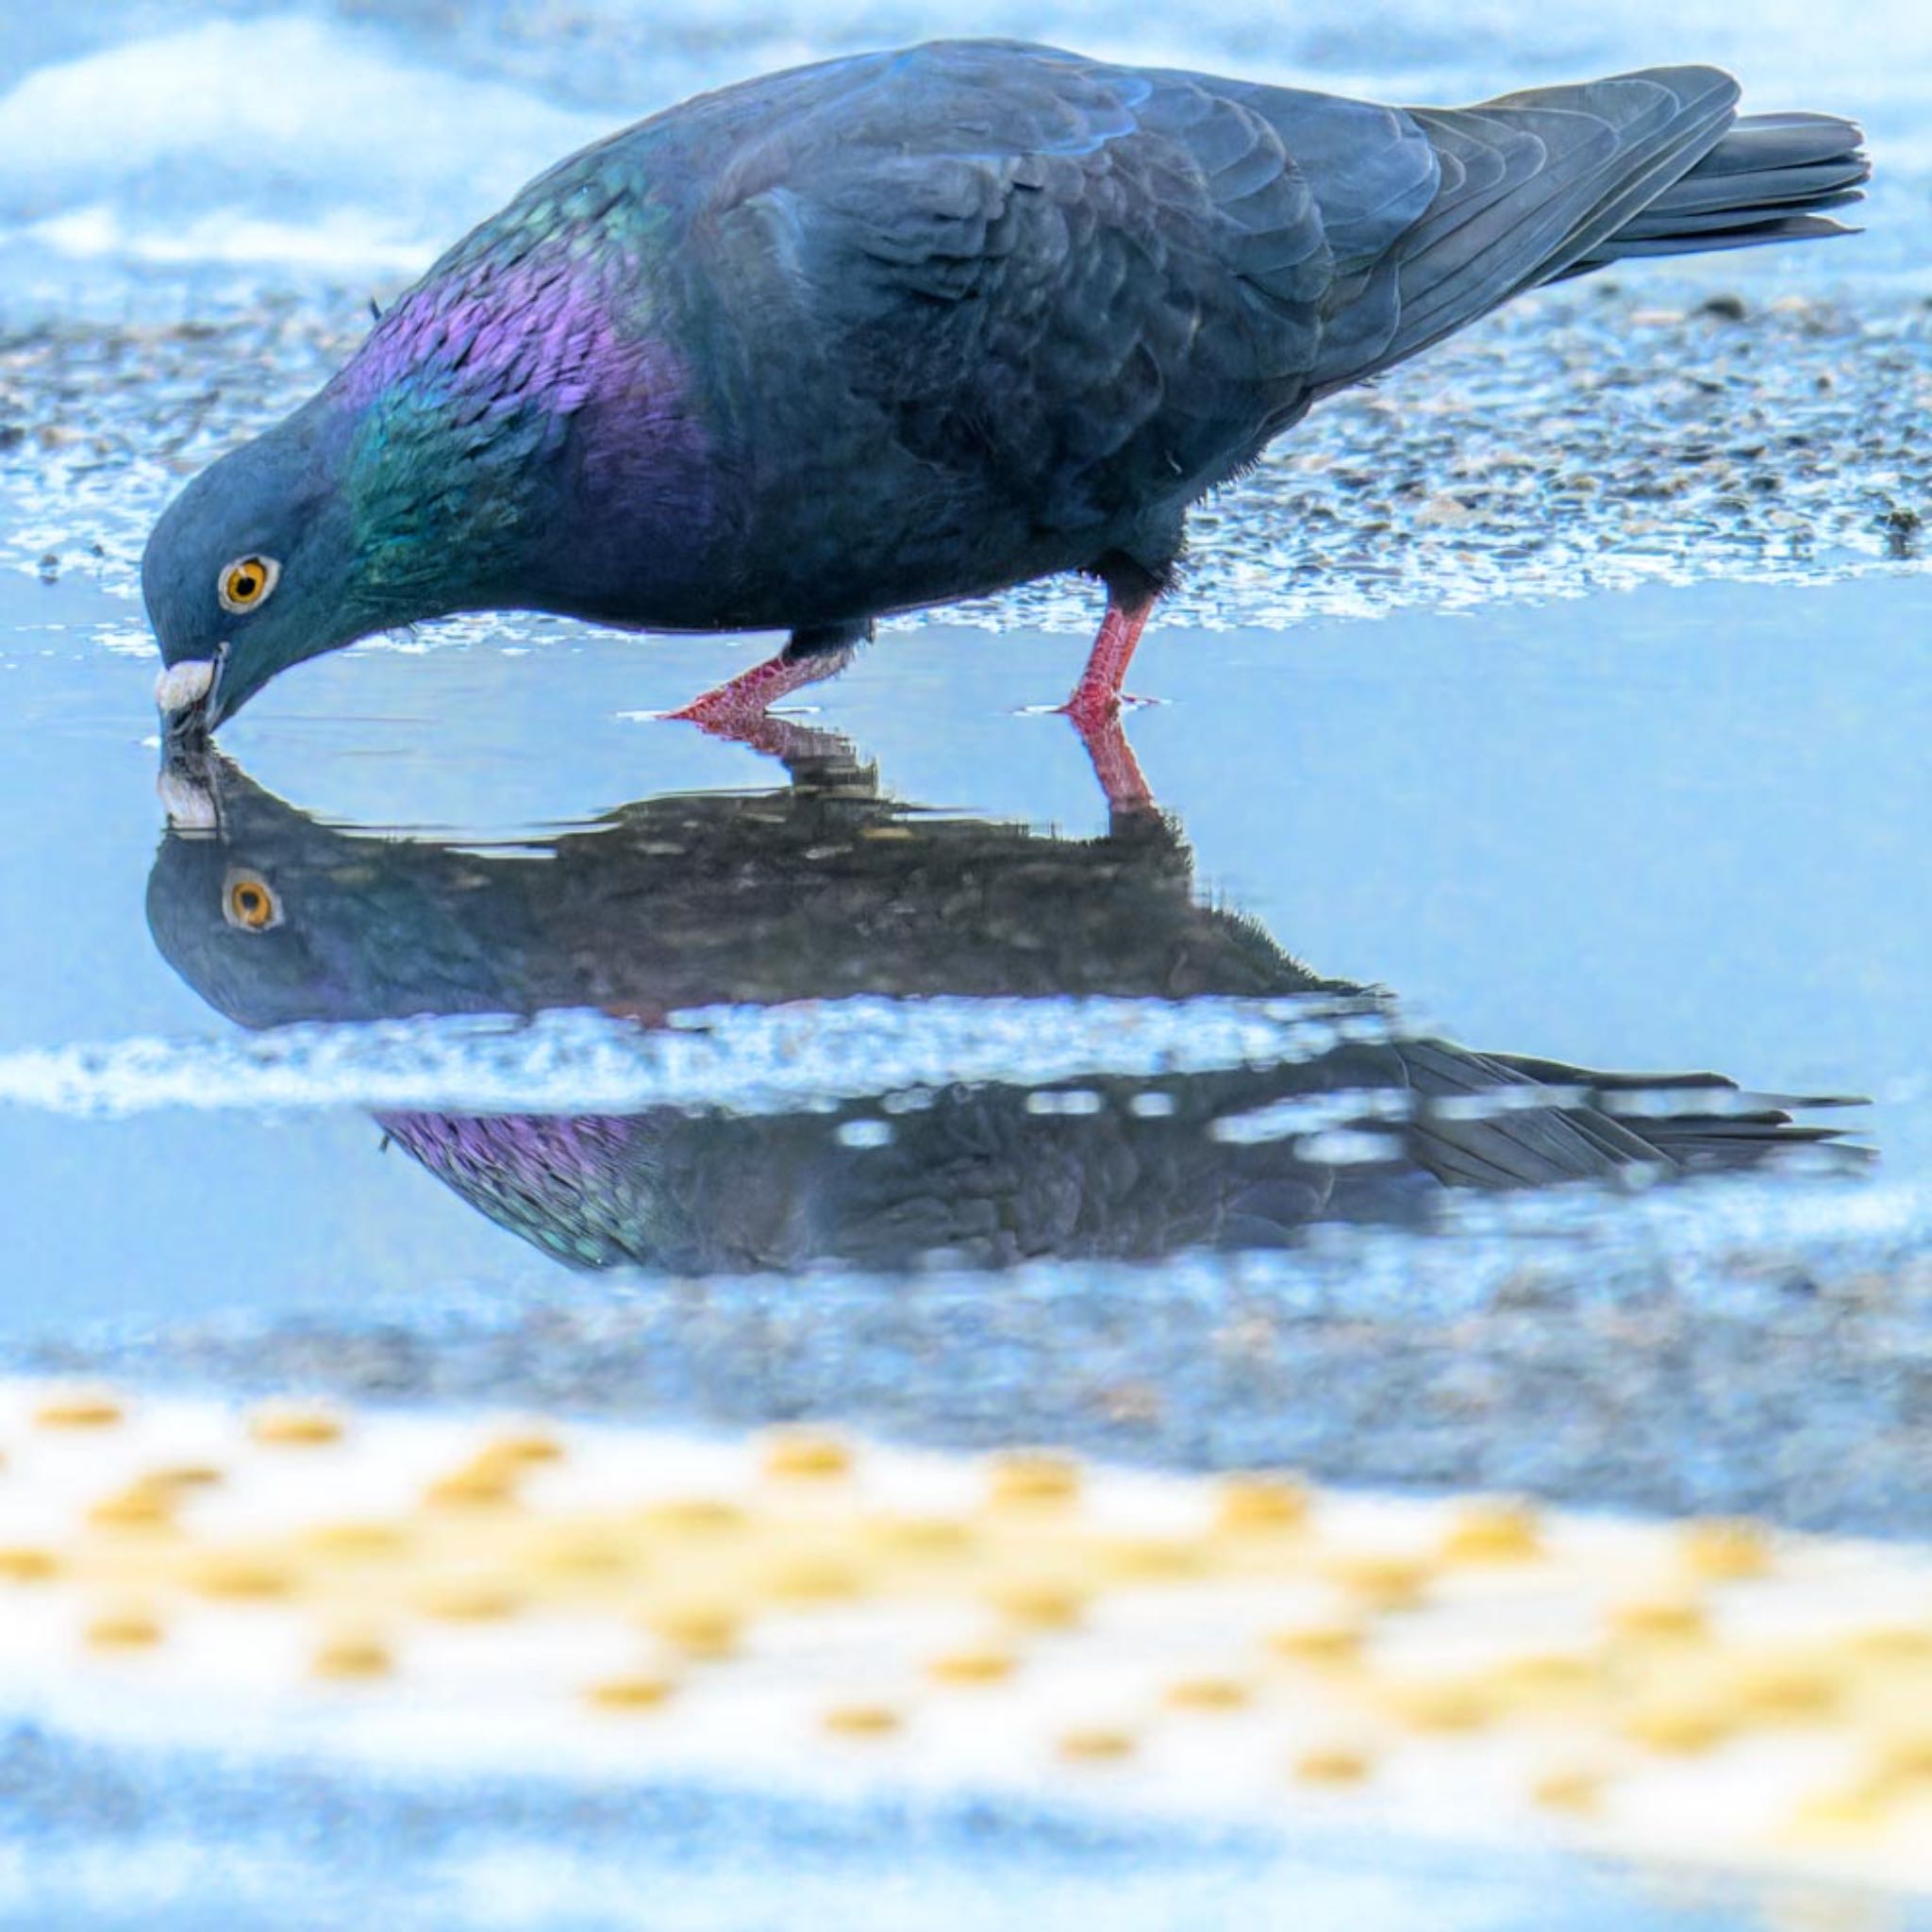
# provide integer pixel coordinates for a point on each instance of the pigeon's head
(251, 570)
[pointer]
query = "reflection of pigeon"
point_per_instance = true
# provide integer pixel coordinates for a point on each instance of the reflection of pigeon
(911, 326)
(827, 891)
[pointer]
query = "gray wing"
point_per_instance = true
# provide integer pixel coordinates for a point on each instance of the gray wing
(1095, 285)
(1101, 285)
(1521, 191)
(1532, 182)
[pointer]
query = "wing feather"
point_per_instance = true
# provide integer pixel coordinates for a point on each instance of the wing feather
(1098, 291)
(1578, 162)
(1087, 283)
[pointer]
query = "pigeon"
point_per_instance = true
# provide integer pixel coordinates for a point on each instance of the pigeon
(828, 891)
(911, 326)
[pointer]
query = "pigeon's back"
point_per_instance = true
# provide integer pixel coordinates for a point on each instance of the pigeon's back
(1003, 280)
(974, 312)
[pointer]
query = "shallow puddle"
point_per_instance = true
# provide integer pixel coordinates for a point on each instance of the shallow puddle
(1319, 1116)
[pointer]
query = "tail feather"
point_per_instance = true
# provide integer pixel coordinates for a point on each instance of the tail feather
(1759, 142)
(1772, 178)
(1532, 181)
(1699, 195)
(1552, 182)
(1689, 229)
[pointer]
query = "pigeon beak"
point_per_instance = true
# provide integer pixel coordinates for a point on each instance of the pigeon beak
(187, 696)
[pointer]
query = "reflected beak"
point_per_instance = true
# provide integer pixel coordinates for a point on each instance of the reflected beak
(188, 799)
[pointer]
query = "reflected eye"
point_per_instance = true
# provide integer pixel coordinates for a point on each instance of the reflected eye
(249, 901)
(248, 581)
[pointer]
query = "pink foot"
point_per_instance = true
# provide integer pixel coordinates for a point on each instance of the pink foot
(718, 711)
(740, 706)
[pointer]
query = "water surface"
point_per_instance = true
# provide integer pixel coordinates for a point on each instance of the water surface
(1657, 833)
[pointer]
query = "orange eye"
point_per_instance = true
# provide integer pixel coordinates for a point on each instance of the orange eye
(249, 901)
(248, 581)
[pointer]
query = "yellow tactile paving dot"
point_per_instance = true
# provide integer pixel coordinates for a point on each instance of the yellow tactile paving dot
(797, 1607)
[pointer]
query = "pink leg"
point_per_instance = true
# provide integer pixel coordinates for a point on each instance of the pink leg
(1094, 706)
(1098, 696)
(737, 708)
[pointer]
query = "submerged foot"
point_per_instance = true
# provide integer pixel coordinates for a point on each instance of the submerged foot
(732, 706)
(737, 708)
(1115, 767)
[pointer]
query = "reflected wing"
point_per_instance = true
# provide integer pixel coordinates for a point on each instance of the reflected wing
(1577, 1136)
